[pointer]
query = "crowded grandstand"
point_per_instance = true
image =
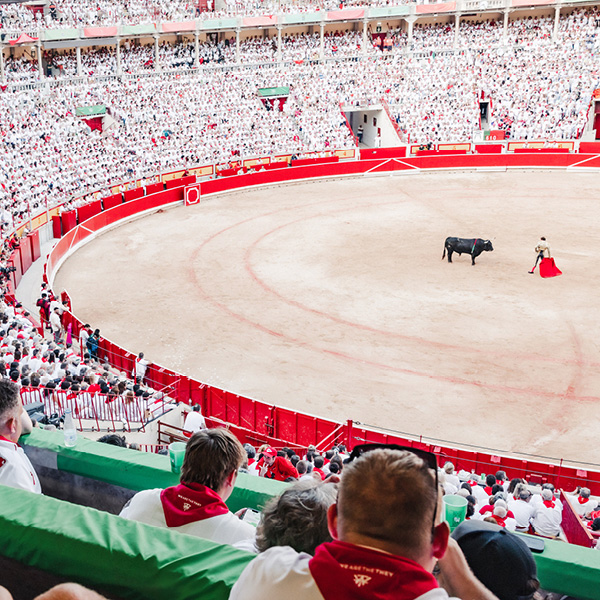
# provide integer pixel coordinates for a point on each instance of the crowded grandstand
(94, 114)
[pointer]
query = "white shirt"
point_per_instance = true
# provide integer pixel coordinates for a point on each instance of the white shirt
(480, 495)
(194, 421)
(523, 512)
(83, 338)
(585, 508)
(55, 321)
(140, 367)
(453, 479)
(15, 468)
(146, 507)
(281, 572)
(546, 521)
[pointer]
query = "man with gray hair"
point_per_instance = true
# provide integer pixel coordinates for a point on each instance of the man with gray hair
(521, 507)
(386, 540)
(583, 504)
(548, 515)
(450, 475)
(297, 518)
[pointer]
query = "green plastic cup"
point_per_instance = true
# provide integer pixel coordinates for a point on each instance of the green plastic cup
(176, 454)
(455, 510)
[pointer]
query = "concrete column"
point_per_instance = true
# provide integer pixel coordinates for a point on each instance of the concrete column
(156, 63)
(237, 46)
(322, 42)
(556, 22)
(79, 67)
(279, 42)
(411, 24)
(2, 73)
(119, 70)
(505, 22)
(456, 29)
(40, 65)
(197, 50)
(365, 37)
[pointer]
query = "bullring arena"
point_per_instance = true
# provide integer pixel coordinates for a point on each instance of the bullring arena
(331, 298)
(256, 196)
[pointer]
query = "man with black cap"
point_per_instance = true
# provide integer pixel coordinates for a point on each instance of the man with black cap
(501, 560)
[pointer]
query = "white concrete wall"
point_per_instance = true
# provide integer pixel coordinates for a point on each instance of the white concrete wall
(378, 130)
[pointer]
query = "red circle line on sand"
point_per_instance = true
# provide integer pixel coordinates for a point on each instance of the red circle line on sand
(315, 348)
(386, 333)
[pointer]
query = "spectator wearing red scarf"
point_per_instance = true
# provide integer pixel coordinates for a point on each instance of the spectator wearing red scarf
(385, 544)
(275, 467)
(548, 516)
(583, 504)
(197, 505)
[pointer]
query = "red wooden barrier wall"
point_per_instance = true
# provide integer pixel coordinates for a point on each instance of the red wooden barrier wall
(25, 255)
(111, 201)
(69, 220)
(34, 240)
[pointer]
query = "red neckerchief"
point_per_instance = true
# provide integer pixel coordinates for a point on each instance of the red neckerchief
(7, 440)
(548, 503)
(320, 472)
(582, 500)
(499, 520)
(343, 570)
(189, 502)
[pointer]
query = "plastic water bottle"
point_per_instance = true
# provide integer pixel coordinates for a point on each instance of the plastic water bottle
(69, 429)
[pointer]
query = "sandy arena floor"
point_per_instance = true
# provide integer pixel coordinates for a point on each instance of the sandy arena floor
(332, 298)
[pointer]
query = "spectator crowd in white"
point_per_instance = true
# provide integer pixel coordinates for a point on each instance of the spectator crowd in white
(538, 87)
(80, 13)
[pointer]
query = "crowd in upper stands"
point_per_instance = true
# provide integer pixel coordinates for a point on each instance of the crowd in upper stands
(536, 88)
(80, 13)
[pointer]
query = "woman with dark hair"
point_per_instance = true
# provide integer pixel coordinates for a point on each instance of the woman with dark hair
(513, 484)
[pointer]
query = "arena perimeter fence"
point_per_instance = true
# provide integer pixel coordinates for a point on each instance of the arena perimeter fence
(257, 422)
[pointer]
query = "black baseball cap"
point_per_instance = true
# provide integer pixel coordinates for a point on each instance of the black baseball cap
(501, 560)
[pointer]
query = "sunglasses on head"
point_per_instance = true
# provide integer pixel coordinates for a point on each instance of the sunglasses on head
(428, 458)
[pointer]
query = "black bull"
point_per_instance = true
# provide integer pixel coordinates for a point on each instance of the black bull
(472, 246)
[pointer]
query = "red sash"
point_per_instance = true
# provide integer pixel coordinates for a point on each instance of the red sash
(500, 520)
(189, 502)
(343, 570)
